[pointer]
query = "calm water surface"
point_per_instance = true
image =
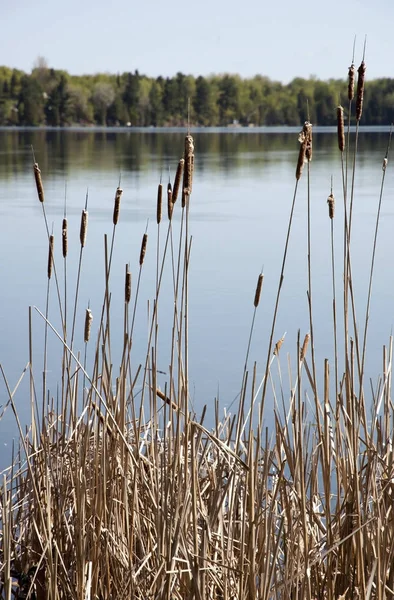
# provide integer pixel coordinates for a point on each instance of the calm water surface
(242, 194)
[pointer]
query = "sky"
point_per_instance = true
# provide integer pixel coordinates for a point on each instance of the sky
(281, 39)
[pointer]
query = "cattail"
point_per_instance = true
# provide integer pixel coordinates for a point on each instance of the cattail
(88, 325)
(118, 196)
(50, 256)
(360, 90)
(159, 202)
(127, 293)
(177, 180)
(340, 129)
(304, 347)
(64, 238)
(170, 203)
(308, 141)
(40, 187)
(258, 290)
(305, 153)
(188, 166)
(331, 205)
(278, 346)
(143, 248)
(384, 163)
(84, 227)
(350, 85)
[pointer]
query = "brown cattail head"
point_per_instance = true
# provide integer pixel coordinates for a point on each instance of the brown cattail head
(384, 163)
(127, 292)
(278, 346)
(304, 347)
(183, 201)
(188, 166)
(350, 85)
(88, 325)
(143, 248)
(331, 205)
(177, 180)
(360, 90)
(84, 227)
(37, 177)
(64, 238)
(305, 153)
(159, 203)
(118, 196)
(170, 203)
(50, 256)
(340, 129)
(258, 290)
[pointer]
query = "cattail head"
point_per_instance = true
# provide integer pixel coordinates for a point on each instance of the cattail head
(143, 248)
(50, 256)
(88, 325)
(305, 153)
(278, 345)
(384, 163)
(360, 90)
(304, 347)
(331, 205)
(188, 165)
(258, 290)
(170, 203)
(39, 186)
(177, 180)
(308, 140)
(127, 293)
(118, 196)
(350, 85)
(64, 238)
(340, 129)
(84, 227)
(159, 202)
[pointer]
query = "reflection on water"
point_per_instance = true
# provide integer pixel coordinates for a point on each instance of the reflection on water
(243, 189)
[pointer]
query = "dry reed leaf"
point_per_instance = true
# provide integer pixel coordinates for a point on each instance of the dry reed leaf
(340, 129)
(331, 205)
(304, 348)
(84, 227)
(159, 203)
(350, 85)
(127, 293)
(64, 238)
(118, 196)
(50, 256)
(143, 248)
(258, 290)
(88, 325)
(39, 186)
(177, 180)
(360, 90)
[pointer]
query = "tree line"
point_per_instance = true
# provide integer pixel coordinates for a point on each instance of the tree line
(55, 98)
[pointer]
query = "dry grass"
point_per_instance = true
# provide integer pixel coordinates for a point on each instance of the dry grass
(120, 491)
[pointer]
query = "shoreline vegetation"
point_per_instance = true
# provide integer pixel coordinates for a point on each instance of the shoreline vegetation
(55, 98)
(119, 490)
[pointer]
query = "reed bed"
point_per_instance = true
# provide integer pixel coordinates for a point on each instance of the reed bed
(118, 490)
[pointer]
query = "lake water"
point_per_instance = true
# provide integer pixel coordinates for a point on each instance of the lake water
(242, 193)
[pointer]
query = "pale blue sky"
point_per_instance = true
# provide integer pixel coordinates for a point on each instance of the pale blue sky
(281, 39)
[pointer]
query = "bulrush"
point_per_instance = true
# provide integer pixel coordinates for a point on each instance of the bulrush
(305, 153)
(118, 196)
(305, 347)
(188, 167)
(127, 290)
(64, 238)
(350, 85)
(170, 202)
(258, 290)
(50, 255)
(177, 180)
(37, 177)
(84, 227)
(88, 325)
(331, 205)
(159, 203)
(360, 90)
(143, 248)
(340, 129)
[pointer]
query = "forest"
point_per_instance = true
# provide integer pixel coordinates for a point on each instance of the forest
(55, 98)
